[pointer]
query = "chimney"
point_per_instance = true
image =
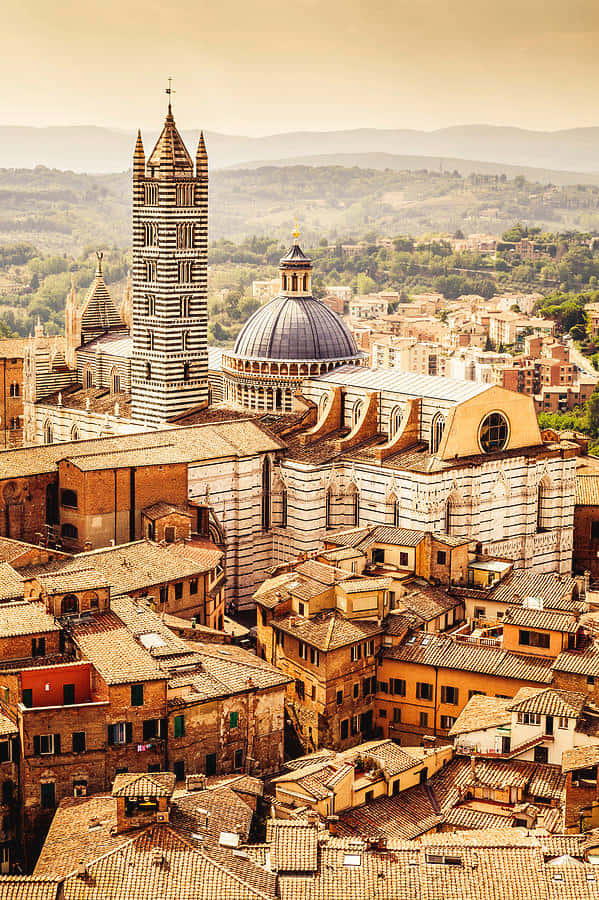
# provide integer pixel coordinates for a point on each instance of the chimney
(312, 817)
(82, 870)
(333, 824)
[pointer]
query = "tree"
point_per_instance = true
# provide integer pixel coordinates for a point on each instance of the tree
(593, 413)
(365, 284)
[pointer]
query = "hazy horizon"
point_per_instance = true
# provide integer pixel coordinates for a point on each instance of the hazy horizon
(260, 69)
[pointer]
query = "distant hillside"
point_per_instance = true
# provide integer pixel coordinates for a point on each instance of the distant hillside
(64, 211)
(403, 163)
(96, 149)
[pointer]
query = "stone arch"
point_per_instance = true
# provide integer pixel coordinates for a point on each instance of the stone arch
(437, 429)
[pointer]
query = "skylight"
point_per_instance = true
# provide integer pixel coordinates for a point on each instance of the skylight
(152, 639)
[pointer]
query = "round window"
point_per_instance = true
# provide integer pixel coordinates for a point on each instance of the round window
(494, 432)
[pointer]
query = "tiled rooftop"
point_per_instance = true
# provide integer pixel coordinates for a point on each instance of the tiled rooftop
(328, 631)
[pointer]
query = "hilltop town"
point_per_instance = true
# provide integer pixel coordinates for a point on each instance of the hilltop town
(313, 613)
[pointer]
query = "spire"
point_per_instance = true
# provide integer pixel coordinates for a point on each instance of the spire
(201, 157)
(169, 157)
(139, 158)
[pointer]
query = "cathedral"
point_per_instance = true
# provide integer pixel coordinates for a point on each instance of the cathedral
(356, 446)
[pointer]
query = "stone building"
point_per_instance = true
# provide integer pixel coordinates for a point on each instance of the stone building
(97, 685)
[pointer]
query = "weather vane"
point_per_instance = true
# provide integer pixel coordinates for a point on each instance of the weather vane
(170, 90)
(296, 233)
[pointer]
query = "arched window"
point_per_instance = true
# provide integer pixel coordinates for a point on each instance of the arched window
(75, 433)
(453, 517)
(185, 307)
(266, 494)
(357, 412)
(115, 381)
(88, 378)
(186, 340)
(356, 509)
(394, 421)
(14, 389)
(494, 432)
(328, 508)
(283, 508)
(48, 432)
(68, 498)
(498, 511)
(151, 304)
(437, 428)
(305, 283)
(543, 505)
(323, 404)
(150, 340)
(69, 605)
(294, 282)
(148, 372)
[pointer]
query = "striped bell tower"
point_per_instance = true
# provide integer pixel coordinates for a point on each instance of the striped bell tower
(169, 366)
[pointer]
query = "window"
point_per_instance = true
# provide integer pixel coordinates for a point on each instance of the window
(397, 713)
(186, 371)
(266, 494)
(301, 608)
(46, 744)
(78, 739)
(238, 762)
(328, 503)
(185, 307)
(595, 531)
(68, 694)
(529, 718)
(355, 724)
(424, 691)
(424, 720)
(27, 698)
(447, 722)
(403, 559)
(590, 680)
(356, 690)
(233, 719)
(437, 428)
(178, 587)
(38, 646)
(533, 639)
(378, 556)
(344, 729)
(137, 695)
(179, 726)
(356, 509)
(396, 513)
(382, 713)
(69, 530)
(563, 722)
(68, 498)
(185, 271)
(369, 648)
(48, 432)
(449, 695)
(8, 789)
(356, 652)
(441, 557)
(394, 421)
(339, 698)
(494, 432)
(368, 796)
(5, 751)
(314, 656)
(184, 236)
(14, 389)
(383, 687)
(152, 728)
(185, 194)
(179, 770)
(302, 650)
(120, 733)
(480, 612)
(398, 687)
(211, 764)
(148, 371)
(299, 688)
(193, 586)
(150, 230)
(150, 269)
(48, 795)
(150, 194)
(541, 754)
(369, 686)
(115, 382)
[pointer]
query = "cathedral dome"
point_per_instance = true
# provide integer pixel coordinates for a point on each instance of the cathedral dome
(295, 328)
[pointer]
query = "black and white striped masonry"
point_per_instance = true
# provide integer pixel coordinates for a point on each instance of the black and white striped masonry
(169, 367)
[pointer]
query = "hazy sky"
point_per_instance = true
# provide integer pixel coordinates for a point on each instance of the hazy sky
(260, 66)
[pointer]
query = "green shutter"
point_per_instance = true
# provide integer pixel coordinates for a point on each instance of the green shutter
(179, 726)
(233, 719)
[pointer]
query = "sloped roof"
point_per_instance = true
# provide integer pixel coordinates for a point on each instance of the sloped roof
(551, 702)
(548, 620)
(481, 712)
(99, 312)
(133, 785)
(170, 154)
(328, 631)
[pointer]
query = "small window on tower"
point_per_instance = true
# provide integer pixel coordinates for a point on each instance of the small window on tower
(185, 307)
(186, 372)
(148, 372)
(185, 194)
(150, 194)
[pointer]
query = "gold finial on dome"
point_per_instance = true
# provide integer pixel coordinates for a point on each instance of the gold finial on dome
(296, 233)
